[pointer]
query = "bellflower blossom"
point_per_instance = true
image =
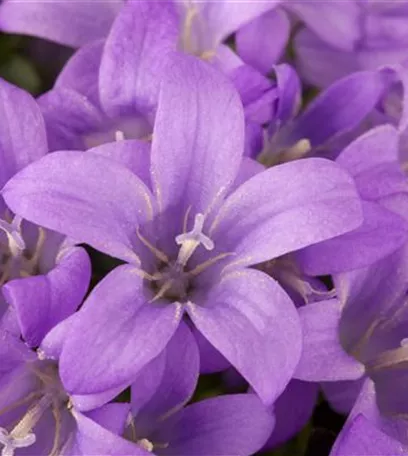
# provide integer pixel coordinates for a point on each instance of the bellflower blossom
(363, 333)
(163, 215)
(37, 414)
(36, 268)
(109, 89)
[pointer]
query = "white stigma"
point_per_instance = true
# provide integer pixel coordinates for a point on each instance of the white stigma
(11, 442)
(191, 240)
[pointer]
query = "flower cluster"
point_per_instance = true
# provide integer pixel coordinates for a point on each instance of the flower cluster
(183, 205)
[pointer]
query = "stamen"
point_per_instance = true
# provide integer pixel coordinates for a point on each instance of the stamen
(191, 13)
(163, 290)
(190, 241)
(31, 263)
(156, 252)
(11, 443)
(13, 233)
(146, 444)
(57, 418)
(119, 136)
(298, 150)
(203, 266)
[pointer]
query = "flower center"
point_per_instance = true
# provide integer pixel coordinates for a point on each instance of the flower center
(173, 280)
(49, 395)
(15, 262)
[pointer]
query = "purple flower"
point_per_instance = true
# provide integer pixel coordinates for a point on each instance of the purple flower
(36, 266)
(109, 90)
(188, 239)
(36, 411)
(368, 35)
(373, 161)
(363, 335)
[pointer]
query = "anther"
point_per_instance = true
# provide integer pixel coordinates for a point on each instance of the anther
(119, 136)
(146, 444)
(191, 240)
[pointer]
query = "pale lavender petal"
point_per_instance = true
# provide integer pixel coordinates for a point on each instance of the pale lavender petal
(22, 132)
(91, 439)
(292, 410)
(122, 330)
(323, 358)
(219, 19)
(69, 117)
(285, 208)
(133, 154)
(378, 146)
(248, 316)
(201, 116)
(81, 72)
(361, 437)
(85, 196)
(111, 416)
(381, 234)
(135, 56)
(337, 23)
(321, 64)
(73, 23)
(231, 425)
(262, 42)
(41, 302)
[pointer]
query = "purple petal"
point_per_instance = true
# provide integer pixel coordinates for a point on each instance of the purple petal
(43, 301)
(340, 108)
(265, 328)
(378, 146)
(362, 438)
(211, 359)
(93, 439)
(323, 358)
(337, 23)
(112, 416)
(135, 56)
(201, 116)
(313, 200)
(122, 331)
(342, 395)
(133, 154)
(381, 234)
(22, 131)
(81, 72)
(167, 382)
(230, 425)
(72, 23)
(262, 42)
(321, 64)
(222, 18)
(85, 196)
(292, 410)
(69, 117)
(289, 93)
